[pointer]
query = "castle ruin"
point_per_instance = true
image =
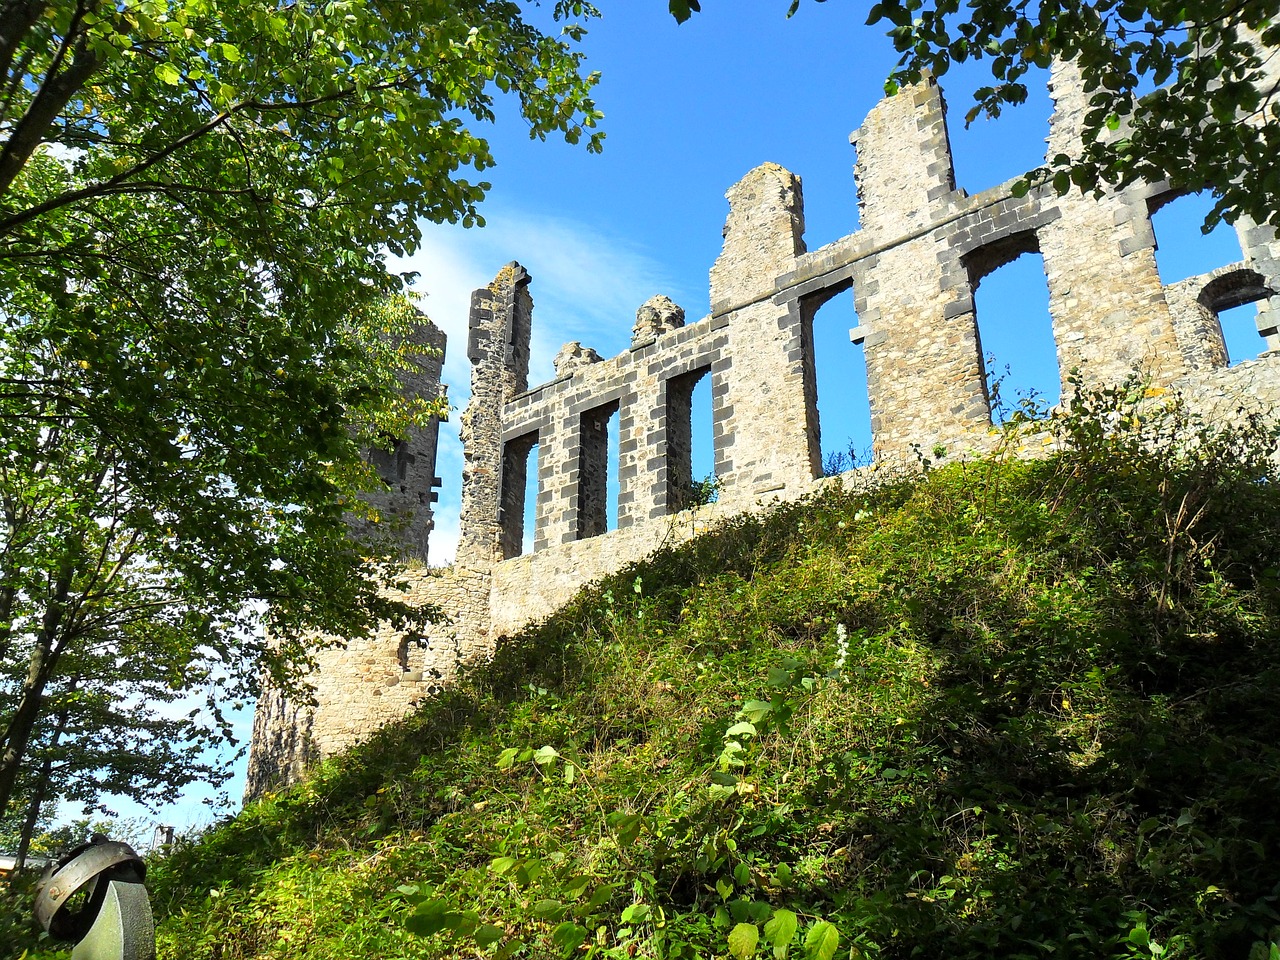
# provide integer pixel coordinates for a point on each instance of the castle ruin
(922, 248)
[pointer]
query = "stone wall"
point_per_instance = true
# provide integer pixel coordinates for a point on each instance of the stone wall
(407, 465)
(922, 248)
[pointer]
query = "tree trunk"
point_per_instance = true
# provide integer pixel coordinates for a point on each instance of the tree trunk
(44, 658)
(41, 792)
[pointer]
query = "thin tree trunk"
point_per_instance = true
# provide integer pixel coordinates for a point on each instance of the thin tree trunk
(33, 813)
(44, 658)
(41, 792)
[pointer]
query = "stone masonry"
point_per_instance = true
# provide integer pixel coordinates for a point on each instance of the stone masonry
(922, 248)
(407, 465)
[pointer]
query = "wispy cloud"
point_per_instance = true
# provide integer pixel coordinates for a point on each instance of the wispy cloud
(586, 286)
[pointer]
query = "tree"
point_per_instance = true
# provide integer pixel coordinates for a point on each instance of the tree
(1180, 90)
(195, 201)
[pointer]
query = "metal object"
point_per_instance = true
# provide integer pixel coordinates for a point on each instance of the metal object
(96, 897)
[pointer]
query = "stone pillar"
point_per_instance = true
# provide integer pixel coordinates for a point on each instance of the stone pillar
(763, 414)
(1261, 249)
(925, 378)
(678, 420)
(498, 348)
(1105, 296)
(593, 472)
(904, 169)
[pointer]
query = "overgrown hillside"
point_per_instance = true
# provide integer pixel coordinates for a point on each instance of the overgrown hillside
(1012, 709)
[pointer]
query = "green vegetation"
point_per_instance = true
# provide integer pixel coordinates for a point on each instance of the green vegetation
(1012, 708)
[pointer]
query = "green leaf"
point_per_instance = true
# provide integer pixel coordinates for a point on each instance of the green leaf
(507, 758)
(680, 9)
(626, 826)
(780, 930)
(743, 939)
(488, 934)
(821, 942)
(168, 73)
(428, 919)
(756, 710)
(569, 936)
(551, 910)
(502, 865)
(743, 728)
(724, 887)
(635, 913)
(545, 755)
(600, 896)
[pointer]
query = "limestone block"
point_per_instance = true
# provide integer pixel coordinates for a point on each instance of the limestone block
(655, 317)
(573, 356)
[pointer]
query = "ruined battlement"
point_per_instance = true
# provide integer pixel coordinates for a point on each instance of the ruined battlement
(922, 248)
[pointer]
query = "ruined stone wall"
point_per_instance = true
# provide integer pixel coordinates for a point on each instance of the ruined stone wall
(922, 248)
(407, 465)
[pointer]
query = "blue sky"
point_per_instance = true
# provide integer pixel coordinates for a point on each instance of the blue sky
(688, 110)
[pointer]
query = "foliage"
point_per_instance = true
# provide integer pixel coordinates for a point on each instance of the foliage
(1207, 62)
(200, 338)
(705, 491)
(1009, 708)
(20, 934)
(851, 457)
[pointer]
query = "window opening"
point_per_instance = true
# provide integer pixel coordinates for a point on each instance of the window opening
(1015, 329)
(706, 483)
(597, 463)
(1240, 333)
(691, 480)
(529, 530)
(990, 151)
(409, 643)
(613, 472)
(1223, 323)
(1182, 249)
(835, 371)
(391, 459)
(519, 495)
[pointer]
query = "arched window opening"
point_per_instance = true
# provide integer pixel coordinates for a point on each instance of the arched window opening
(519, 495)
(410, 644)
(1240, 333)
(1232, 298)
(1015, 330)
(835, 371)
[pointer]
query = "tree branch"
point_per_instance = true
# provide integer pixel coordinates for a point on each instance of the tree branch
(112, 185)
(49, 101)
(17, 17)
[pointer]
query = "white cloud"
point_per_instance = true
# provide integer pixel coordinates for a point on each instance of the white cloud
(586, 286)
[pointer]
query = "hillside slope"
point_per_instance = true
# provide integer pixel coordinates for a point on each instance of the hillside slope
(1009, 709)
